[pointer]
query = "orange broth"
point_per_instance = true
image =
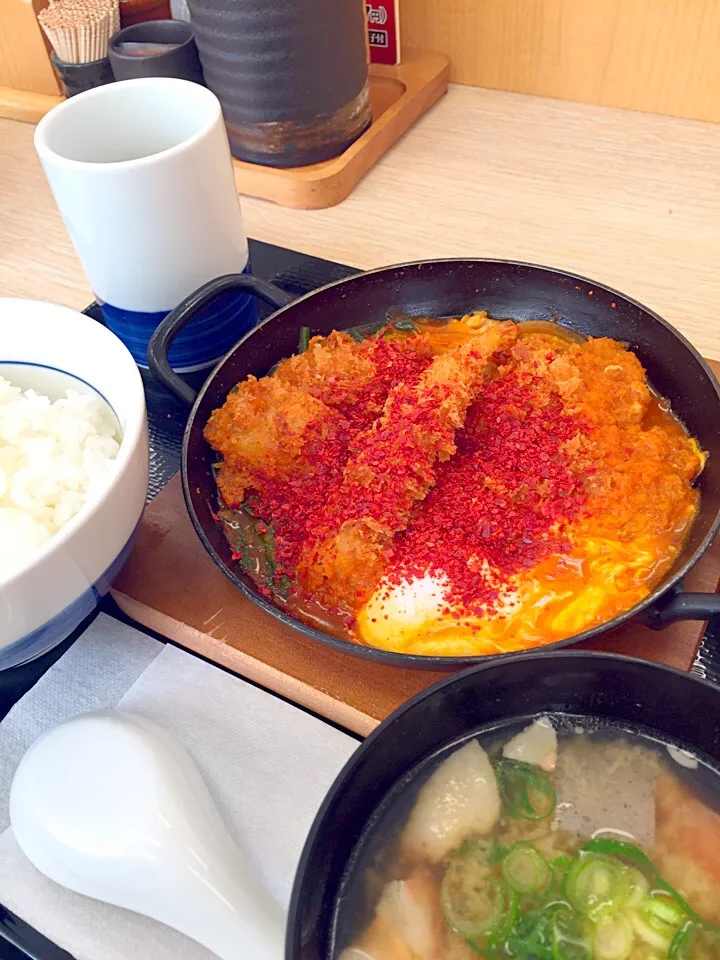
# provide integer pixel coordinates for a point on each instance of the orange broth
(610, 568)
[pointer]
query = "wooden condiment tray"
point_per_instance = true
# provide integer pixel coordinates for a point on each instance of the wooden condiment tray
(399, 95)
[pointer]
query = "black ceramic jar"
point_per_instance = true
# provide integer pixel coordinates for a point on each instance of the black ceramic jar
(292, 77)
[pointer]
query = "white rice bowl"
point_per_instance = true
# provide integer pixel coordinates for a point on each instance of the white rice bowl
(56, 457)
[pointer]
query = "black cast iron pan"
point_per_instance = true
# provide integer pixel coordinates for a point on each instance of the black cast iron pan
(446, 288)
(634, 694)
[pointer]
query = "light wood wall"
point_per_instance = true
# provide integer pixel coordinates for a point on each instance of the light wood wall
(661, 56)
(24, 62)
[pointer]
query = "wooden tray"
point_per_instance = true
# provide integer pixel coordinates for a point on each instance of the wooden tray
(400, 95)
(171, 585)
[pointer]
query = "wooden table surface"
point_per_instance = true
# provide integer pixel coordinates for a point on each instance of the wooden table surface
(629, 199)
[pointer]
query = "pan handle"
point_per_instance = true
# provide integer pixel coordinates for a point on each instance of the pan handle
(683, 606)
(184, 312)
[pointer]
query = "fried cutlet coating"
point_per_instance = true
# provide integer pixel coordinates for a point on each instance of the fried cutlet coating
(263, 429)
(600, 379)
(334, 369)
(342, 372)
(265, 426)
(392, 468)
(622, 456)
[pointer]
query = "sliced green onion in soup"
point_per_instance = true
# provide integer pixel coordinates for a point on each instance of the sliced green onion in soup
(596, 884)
(657, 939)
(559, 869)
(526, 870)
(634, 858)
(488, 849)
(613, 938)
(638, 887)
(525, 791)
(569, 935)
(474, 900)
(530, 936)
(663, 909)
(658, 919)
(696, 941)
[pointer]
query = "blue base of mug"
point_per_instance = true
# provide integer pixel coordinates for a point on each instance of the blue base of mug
(204, 341)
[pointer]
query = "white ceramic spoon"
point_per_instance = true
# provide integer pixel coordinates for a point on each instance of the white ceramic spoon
(109, 805)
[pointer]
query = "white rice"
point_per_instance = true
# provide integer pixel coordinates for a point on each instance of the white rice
(55, 457)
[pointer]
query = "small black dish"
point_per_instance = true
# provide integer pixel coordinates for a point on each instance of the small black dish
(79, 77)
(175, 53)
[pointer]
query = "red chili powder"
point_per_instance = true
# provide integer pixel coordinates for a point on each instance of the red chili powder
(297, 506)
(503, 498)
(391, 468)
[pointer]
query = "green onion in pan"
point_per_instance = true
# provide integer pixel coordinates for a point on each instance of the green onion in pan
(304, 342)
(526, 792)
(404, 323)
(526, 870)
(596, 884)
(357, 335)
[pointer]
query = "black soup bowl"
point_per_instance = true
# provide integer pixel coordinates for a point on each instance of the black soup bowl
(634, 694)
(447, 288)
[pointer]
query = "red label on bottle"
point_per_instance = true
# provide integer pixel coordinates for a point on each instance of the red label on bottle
(383, 20)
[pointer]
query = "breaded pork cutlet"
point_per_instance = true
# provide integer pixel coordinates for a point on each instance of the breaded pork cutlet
(391, 470)
(264, 429)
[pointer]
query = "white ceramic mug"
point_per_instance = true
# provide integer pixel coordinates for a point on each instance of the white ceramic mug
(142, 174)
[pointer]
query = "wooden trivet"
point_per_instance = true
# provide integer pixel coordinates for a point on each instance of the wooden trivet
(171, 585)
(400, 95)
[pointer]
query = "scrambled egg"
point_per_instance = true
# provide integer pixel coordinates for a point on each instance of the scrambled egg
(563, 596)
